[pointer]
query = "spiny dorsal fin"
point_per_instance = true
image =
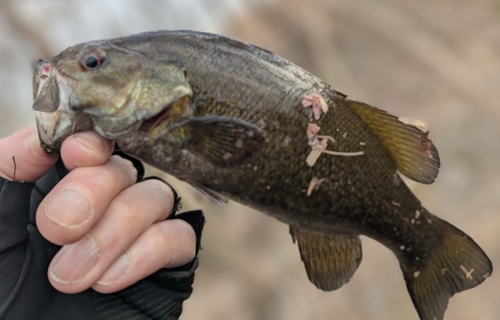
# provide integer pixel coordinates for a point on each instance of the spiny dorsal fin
(330, 259)
(415, 155)
(225, 141)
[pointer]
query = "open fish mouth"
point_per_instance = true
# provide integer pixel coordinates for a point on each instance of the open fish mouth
(171, 112)
(54, 127)
(154, 121)
(56, 119)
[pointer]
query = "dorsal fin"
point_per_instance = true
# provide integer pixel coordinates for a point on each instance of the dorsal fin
(415, 155)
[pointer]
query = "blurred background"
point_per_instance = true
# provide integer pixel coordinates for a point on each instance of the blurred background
(437, 61)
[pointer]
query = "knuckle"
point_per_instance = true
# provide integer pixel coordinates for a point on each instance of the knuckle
(159, 187)
(163, 233)
(166, 243)
(125, 166)
(127, 208)
(159, 196)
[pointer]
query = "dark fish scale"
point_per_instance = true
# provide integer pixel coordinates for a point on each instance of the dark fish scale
(239, 121)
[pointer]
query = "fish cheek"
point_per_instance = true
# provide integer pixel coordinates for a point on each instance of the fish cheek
(163, 83)
(107, 87)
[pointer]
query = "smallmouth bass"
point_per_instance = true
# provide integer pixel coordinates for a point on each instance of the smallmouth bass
(237, 121)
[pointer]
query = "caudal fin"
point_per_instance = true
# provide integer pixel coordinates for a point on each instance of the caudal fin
(457, 265)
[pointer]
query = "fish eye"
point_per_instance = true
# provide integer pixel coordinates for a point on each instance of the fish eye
(91, 61)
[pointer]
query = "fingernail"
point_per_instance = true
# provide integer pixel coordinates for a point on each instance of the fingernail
(75, 261)
(117, 269)
(68, 208)
(92, 141)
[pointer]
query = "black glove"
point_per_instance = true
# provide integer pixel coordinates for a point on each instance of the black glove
(25, 292)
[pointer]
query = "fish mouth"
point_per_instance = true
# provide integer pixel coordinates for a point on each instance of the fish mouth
(123, 131)
(169, 113)
(57, 119)
(54, 119)
(54, 127)
(115, 135)
(151, 123)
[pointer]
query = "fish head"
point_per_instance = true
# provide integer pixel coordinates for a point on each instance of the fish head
(106, 87)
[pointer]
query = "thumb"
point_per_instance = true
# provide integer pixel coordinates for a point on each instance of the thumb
(22, 158)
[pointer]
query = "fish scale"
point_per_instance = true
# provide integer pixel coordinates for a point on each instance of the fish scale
(236, 121)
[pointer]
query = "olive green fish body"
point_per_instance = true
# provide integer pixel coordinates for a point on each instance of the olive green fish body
(275, 178)
(237, 121)
(361, 195)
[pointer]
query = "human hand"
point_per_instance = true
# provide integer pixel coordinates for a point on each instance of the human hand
(112, 229)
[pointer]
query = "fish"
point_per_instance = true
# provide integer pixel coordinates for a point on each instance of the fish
(238, 122)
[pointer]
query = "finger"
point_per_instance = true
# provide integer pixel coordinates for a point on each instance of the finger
(22, 157)
(78, 266)
(168, 244)
(78, 201)
(85, 149)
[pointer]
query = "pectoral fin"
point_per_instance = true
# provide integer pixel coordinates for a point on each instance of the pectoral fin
(222, 140)
(331, 259)
(413, 152)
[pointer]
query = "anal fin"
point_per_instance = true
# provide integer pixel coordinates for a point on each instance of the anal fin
(330, 259)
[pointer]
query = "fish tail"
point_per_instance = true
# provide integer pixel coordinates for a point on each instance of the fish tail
(455, 265)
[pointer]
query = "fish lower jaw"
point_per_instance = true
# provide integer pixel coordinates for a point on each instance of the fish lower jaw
(115, 135)
(168, 113)
(153, 122)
